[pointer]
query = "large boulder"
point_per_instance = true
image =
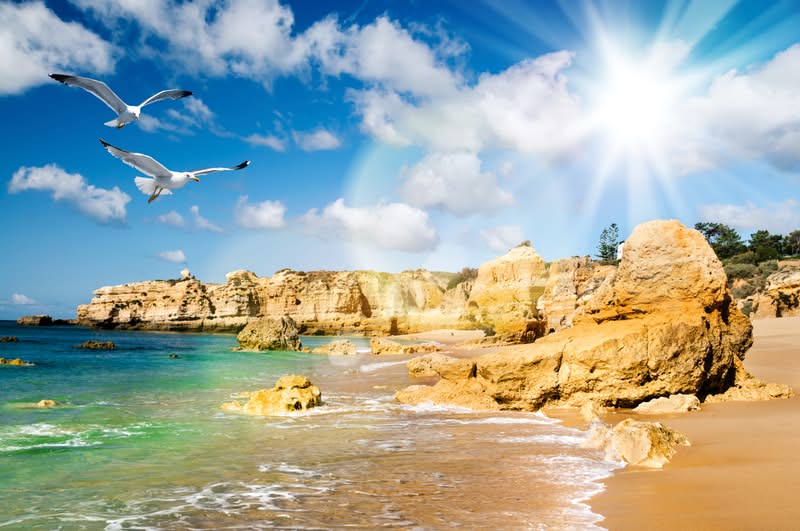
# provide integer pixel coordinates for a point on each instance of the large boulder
(291, 394)
(645, 444)
(662, 324)
(270, 334)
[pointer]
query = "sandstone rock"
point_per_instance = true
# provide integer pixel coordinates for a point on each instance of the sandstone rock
(9, 339)
(291, 394)
(343, 347)
(464, 393)
(427, 365)
(330, 301)
(570, 285)
(663, 323)
(507, 288)
(270, 334)
(780, 296)
(16, 361)
(381, 346)
(46, 403)
(97, 345)
(646, 444)
(667, 405)
(752, 389)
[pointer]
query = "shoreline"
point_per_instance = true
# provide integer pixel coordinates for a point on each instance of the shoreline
(743, 468)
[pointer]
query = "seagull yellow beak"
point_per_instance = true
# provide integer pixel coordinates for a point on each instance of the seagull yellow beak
(195, 179)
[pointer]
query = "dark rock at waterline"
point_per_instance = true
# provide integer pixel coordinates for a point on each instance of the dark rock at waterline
(43, 320)
(9, 339)
(97, 345)
(173, 356)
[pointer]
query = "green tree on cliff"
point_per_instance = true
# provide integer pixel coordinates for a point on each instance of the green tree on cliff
(766, 246)
(725, 241)
(609, 241)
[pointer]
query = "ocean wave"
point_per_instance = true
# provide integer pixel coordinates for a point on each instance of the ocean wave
(44, 435)
(372, 367)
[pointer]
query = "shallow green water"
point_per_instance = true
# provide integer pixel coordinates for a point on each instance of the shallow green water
(139, 442)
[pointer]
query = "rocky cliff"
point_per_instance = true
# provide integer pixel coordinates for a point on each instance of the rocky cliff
(328, 301)
(663, 323)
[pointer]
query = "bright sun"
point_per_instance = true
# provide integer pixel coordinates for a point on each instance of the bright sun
(634, 105)
(635, 100)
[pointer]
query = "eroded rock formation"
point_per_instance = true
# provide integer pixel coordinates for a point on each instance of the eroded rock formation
(342, 347)
(663, 323)
(779, 298)
(381, 346)
(270, 334)
(291, 394)
(97, 345)
(646, 444)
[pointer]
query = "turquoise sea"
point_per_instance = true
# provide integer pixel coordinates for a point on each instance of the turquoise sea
(139, 442)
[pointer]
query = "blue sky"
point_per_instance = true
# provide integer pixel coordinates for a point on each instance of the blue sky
(383, 135)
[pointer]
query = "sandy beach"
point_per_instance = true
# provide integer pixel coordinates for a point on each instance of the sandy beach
(743, 468)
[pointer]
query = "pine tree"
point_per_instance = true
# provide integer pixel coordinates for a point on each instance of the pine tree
(609, 240)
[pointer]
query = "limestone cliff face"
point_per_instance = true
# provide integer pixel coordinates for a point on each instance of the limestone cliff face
(330, 301)
(779, 298)
(571, 283)
(663, 323)
(507, 289)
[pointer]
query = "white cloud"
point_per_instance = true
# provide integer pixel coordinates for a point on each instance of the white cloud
(317, 140)
(254, 39)
(527, 107)
(757, 112)
(202, 223)
(382, 52)
(264, 215)
(172, 218)
(19, 298)
(502, 237)
(387, 226)
(454, 182)
(267, 141)
(101, 204)
(35, 42)
(247, 38)
(177, 256)
(777, 218)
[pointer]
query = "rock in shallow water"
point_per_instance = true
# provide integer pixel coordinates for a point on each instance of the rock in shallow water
(291, 394)
(97, 345)
(270, 334)
(381, 345)
(647, 444)
(670, 404)
(342, 347)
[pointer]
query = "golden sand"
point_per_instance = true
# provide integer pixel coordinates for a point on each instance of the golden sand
(743, 468)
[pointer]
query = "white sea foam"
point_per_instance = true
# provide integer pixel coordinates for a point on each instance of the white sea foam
(371, 367)
(549, 438)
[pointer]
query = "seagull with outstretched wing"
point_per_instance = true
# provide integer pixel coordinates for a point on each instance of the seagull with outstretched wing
(163, 180)
(125, 113)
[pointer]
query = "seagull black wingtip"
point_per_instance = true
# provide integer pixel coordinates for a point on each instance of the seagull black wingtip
(59, 77)
(105, 144)
(242, 165)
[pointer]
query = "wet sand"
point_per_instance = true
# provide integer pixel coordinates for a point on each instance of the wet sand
(743, 468)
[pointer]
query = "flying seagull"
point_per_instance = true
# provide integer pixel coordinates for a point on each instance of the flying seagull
(126, 113)
(163, 180)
